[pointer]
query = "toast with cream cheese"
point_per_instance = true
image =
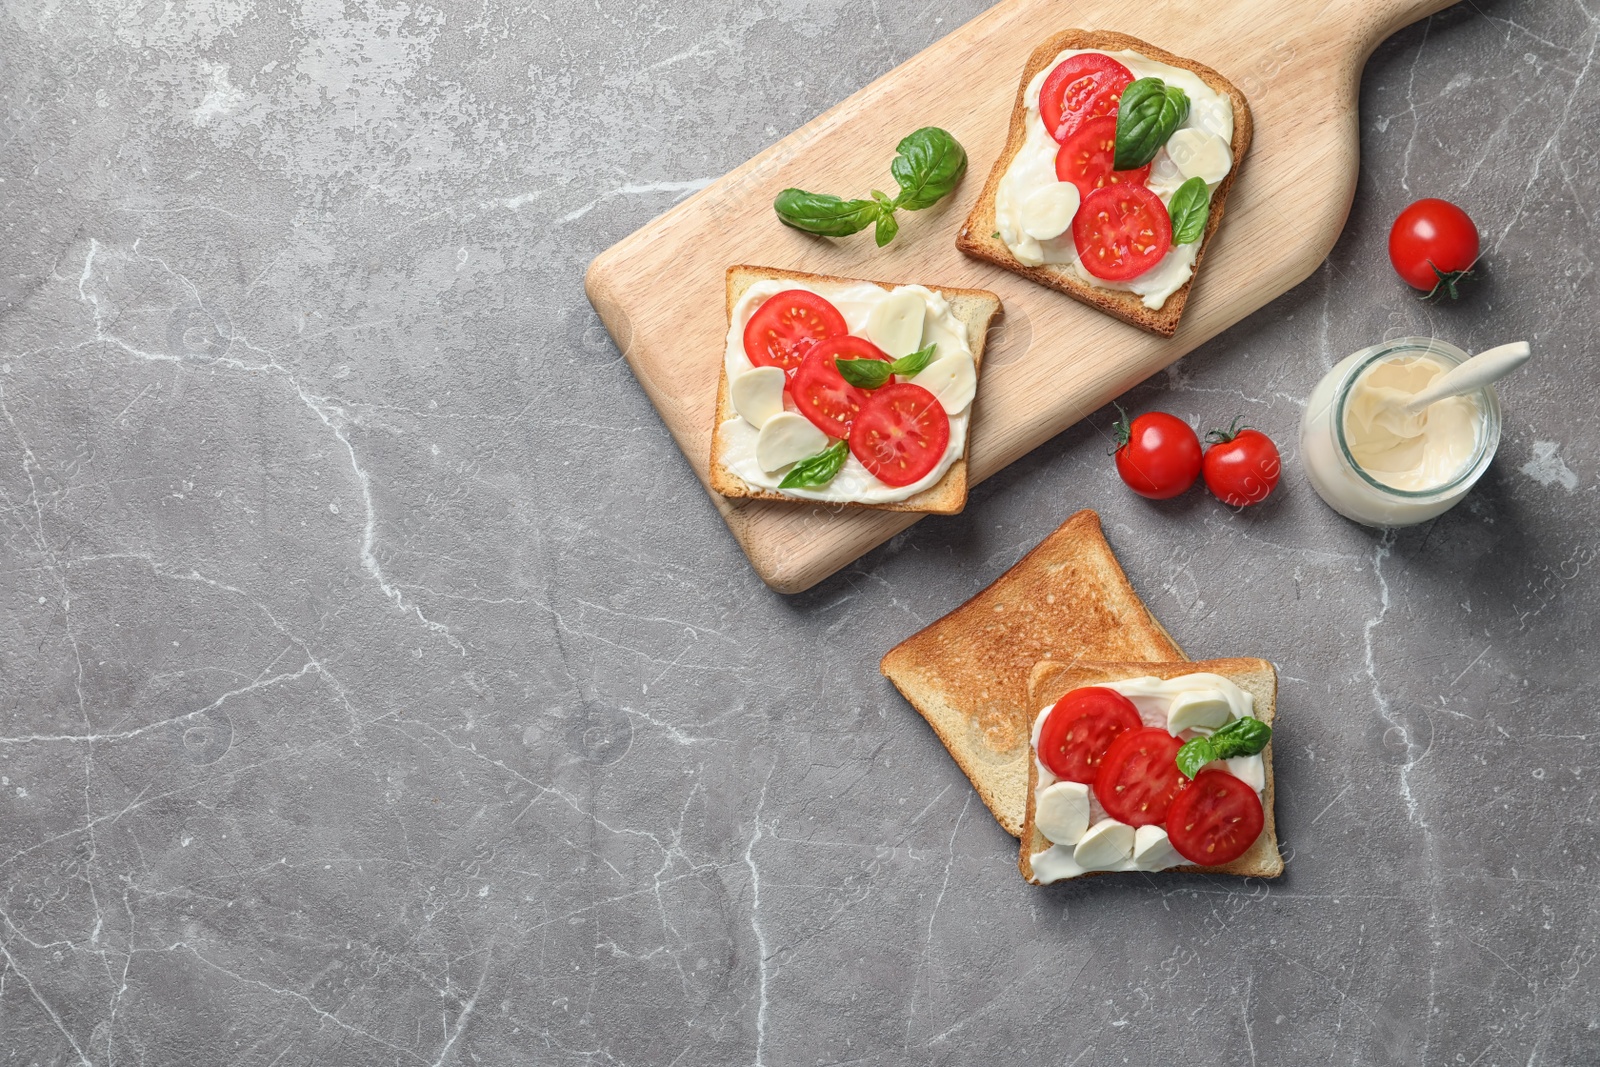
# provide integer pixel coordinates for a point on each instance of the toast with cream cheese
(979, 236)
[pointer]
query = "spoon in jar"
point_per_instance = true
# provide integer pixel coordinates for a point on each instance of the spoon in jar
(1483, 369)
(1402, 414)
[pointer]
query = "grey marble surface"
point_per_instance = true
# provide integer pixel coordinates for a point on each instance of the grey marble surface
(355, 712)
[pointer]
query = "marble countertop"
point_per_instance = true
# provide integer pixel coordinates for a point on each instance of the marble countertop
(352, 715)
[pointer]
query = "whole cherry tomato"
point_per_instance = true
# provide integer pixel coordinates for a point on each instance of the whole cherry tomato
(1241, 466)
(1433, 245)
(1158, 455)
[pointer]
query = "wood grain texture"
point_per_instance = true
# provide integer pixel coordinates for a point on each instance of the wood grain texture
(1052, 360)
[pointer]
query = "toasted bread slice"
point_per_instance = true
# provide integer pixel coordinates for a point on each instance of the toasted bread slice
(967, 674)
(977, 236)
(1048, 682)
(977, 308)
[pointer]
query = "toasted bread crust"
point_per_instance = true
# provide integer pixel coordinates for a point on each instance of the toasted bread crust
(967, 673)
(1048, 682)
(976, 235)
(945, 497)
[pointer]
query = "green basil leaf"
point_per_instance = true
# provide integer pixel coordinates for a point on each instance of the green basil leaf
(915, 363)
(1195, 754)
(887, 228)
(1189, 208)
(824, 214)
(1149, 111)
(875, 373)
(818, 469)
(864, 373)
(1241, 737)
(928, 164)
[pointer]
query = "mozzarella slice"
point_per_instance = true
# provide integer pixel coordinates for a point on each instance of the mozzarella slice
(1106, 844)
(1198, 709)
(1061, 812)
(787, 438)
(1048, 210)
(1200, 154)
(953, 379)
(895, 325)
(757, 394)
(1165, 177)
(1152, 851)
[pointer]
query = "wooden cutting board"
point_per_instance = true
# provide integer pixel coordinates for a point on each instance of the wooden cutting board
(1051, 360)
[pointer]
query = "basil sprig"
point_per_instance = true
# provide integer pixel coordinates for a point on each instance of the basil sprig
(874, 373)
(1189, 207)
(818, 469)
(1148, 113)
(927, 165)
(1241, 737)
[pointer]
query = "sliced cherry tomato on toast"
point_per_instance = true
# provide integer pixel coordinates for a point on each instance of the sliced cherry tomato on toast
(1082, 87)
(820, 392)
(1121, 231)
(1215, 820)
(1080, 728)
(786, 326)
(901, 434)
(1085, 159)
(1139, 776)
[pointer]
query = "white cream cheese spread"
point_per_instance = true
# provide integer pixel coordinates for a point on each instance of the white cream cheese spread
(887, 318)
(1082, 836)
(1200, 147)
(1411, 452)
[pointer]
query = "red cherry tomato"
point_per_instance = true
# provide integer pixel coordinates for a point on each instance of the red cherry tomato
(820, 392)
(1158, 455)
(1086, 86)
(1139, 776)
(1215, 820)
(785, 326)
(1241, 466)
(901, 434)
(1080, 728)
(1433, 245)
(1085, 159)
(1121, 231)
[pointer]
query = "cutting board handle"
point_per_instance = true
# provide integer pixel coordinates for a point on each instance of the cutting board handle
(1325, 41)
(1368, 22)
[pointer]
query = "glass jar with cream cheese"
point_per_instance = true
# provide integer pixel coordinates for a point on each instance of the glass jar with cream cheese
(1377, 465)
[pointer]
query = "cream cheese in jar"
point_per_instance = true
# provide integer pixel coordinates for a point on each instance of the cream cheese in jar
(1377, 465)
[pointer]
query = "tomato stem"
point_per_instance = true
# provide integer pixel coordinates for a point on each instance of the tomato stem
(1446, 281)
(1222, 437)
(1123, 428)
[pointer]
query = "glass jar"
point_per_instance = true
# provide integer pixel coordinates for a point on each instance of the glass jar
(1341, 481)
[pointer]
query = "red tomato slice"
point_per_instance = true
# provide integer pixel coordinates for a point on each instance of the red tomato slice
(1080, 728)
(1139, 776)
(1085, 159)
(1084, 87)
(901, 434)
(820, 392)
(1215, 820)
(1121, 231)
(784, 328)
